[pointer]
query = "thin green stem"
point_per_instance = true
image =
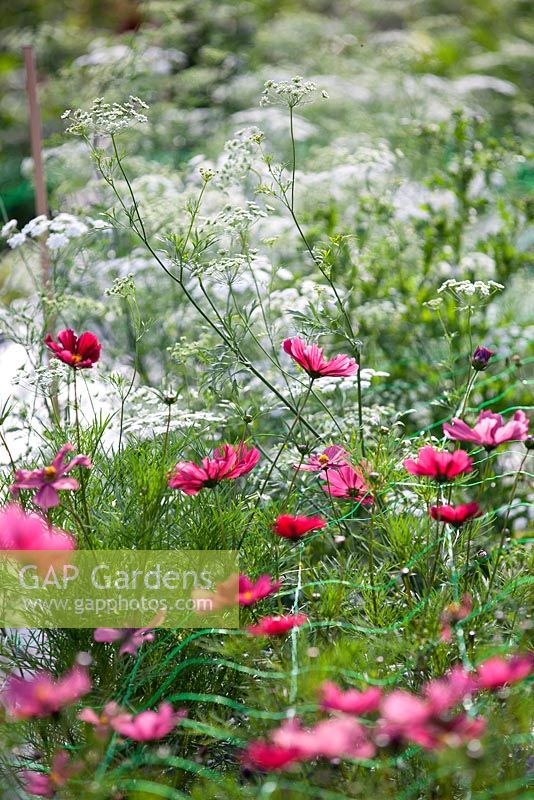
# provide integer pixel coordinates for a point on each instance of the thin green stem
(294, 156)
(79, 448)
(456, 597)
(287, 437)
(372, 565)
(294, 634)
(290, 205)
(437, 548)
(469, 388)
(166, 435)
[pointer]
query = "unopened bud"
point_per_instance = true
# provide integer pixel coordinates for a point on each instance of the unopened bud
(480, 358)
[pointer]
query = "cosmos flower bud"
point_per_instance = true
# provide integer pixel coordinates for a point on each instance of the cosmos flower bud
(480, 358)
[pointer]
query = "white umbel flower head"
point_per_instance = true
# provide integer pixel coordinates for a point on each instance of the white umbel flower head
(106, 118)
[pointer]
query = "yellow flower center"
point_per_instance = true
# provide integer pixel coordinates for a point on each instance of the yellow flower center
(76, 358)
(323, 459)
(50, 472)
(42, 692)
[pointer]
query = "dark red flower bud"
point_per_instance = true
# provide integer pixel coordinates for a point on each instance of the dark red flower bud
(480, 358)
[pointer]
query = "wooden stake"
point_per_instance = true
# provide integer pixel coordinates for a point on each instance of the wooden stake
(41, 203)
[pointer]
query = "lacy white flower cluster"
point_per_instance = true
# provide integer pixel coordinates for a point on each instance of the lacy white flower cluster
(60, 229)
(329, 385)
(42, 379)
(106, 118)
(122, 286)
(240, 217)
(284, 303)
(464, 289)
(146, 415)
(238, 157)
(292, 93)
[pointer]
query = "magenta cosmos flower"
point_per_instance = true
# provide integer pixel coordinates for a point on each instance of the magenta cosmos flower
(422, 721)
(78, 352)
(351, 701)
(347, 482)
(289, 527)
(40, 695)
(497, 672)
(490, 430)
(456, 515)
(228, 463)
(310, 357)
(148, 725)
(277, 626)
(250, 592)
(332, 457)
(439, 465)
(21, 530)
(269, 757)
(51, 479)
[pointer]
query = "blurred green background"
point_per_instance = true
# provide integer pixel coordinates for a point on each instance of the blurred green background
(221, 44)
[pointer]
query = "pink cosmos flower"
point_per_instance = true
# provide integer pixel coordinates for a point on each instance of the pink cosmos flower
(402, 708)
(332, 457)
(148, 725)
(277, 626)
(227, 463)
(79, 353)
(452, 614)
(21, 530)
(132, 638)
(490, 429)
(49, 480)
(441, 466)
(330, 738)
(101, 722)
(445, 693)
(497, 672)
(40, 695)
(45, 785)
(405, 716)
(439, 733)
(250, 592)
(456, 515)
(350, 702)
(310, 357)
(347, 482)
(289, 527)
(38, 783)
